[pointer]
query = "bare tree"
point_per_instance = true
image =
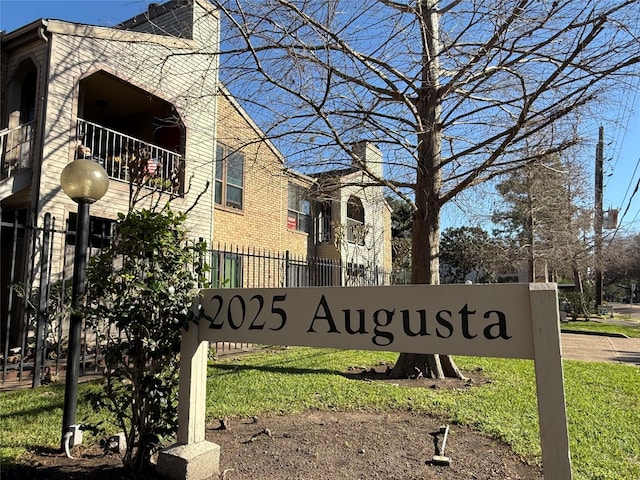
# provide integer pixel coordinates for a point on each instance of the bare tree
(546, 216)
(622, 263)
(454, 92)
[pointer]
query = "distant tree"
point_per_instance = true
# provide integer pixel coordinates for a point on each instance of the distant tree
(545, 220)
(455, 92)
(467, 253)
(621, 259)
(401, 218)
(401, 225)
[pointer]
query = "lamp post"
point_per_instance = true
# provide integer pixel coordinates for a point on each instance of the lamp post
(85, 182)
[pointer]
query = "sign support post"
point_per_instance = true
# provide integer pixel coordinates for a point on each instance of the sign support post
(554, 433)
(192, 457)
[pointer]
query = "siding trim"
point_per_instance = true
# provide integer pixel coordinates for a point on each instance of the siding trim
(108, 33)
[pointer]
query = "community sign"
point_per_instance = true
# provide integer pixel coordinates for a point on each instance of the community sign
(497, 320)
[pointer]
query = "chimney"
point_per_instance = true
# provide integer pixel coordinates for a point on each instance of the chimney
(369, 154)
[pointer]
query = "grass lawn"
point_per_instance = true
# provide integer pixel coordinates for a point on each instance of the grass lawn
(602, 403)
(632, 331)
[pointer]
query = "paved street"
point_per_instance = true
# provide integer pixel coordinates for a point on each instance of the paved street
(626, 310)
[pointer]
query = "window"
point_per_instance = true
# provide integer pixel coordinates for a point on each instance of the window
(226, 270)
(298, 215)
(322, 219)
(356, 231)
(100, 231)
(229, 177)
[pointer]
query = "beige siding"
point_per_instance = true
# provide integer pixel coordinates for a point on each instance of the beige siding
(146, 65)
(376, 249)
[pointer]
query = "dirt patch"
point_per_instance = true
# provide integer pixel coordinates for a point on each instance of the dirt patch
(320, 445)
(332, 445)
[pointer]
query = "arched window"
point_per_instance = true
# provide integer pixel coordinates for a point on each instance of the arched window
(355, 221)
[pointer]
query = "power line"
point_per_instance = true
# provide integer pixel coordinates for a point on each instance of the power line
(629, 186)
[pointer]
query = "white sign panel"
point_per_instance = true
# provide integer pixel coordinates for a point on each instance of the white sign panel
(483, 320)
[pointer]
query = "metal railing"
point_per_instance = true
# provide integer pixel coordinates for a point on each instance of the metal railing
(125, 157)
(16, 149)
(34, 320)
(245, 267)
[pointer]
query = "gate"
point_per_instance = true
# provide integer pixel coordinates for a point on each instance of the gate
(37, 267)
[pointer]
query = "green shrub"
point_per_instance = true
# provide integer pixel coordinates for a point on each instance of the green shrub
(139, 298)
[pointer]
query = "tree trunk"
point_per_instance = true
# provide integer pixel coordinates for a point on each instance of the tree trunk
(435, 366)
(425, 270)
(425, 242)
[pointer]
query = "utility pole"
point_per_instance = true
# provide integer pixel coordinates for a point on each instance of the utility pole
(597, 220)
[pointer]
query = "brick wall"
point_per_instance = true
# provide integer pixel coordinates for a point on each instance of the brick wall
(262, 222)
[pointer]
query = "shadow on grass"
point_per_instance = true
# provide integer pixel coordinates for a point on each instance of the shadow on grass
(280, 362)
(33, 411)
(228, 368)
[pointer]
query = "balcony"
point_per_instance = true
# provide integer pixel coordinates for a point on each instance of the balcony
(130, 159)
(353, 231)
(16, 149)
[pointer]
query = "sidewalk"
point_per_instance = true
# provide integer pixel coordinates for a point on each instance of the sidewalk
(599, 348)
(602, 348)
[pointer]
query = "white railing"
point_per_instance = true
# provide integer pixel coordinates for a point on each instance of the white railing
(356, 231)
(125, 157)
(16, 149)
(323, 229)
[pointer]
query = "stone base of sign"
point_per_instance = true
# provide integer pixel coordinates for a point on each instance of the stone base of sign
(195, 461)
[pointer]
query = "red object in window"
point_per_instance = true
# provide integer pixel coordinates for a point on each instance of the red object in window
(292, 222)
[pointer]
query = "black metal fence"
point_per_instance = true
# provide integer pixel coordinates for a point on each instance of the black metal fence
(36, 266)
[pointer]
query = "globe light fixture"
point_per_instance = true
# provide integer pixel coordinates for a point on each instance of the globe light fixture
(85, 182)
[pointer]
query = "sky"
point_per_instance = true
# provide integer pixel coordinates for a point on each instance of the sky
(622, 135)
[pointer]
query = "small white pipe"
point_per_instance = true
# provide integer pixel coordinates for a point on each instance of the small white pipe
(67, 440)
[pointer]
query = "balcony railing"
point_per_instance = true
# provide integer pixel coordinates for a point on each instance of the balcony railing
(16, 149)
(323, 229)
(356, 231)
(131, 159)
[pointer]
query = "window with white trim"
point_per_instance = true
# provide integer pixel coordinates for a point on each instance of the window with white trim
(299, 210)
(229, 188)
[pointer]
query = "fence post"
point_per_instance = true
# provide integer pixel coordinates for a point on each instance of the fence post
(43, 311)
(286, 269)
(200, 262)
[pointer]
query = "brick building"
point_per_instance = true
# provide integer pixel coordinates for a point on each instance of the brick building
(261, 204)
(137, 99)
